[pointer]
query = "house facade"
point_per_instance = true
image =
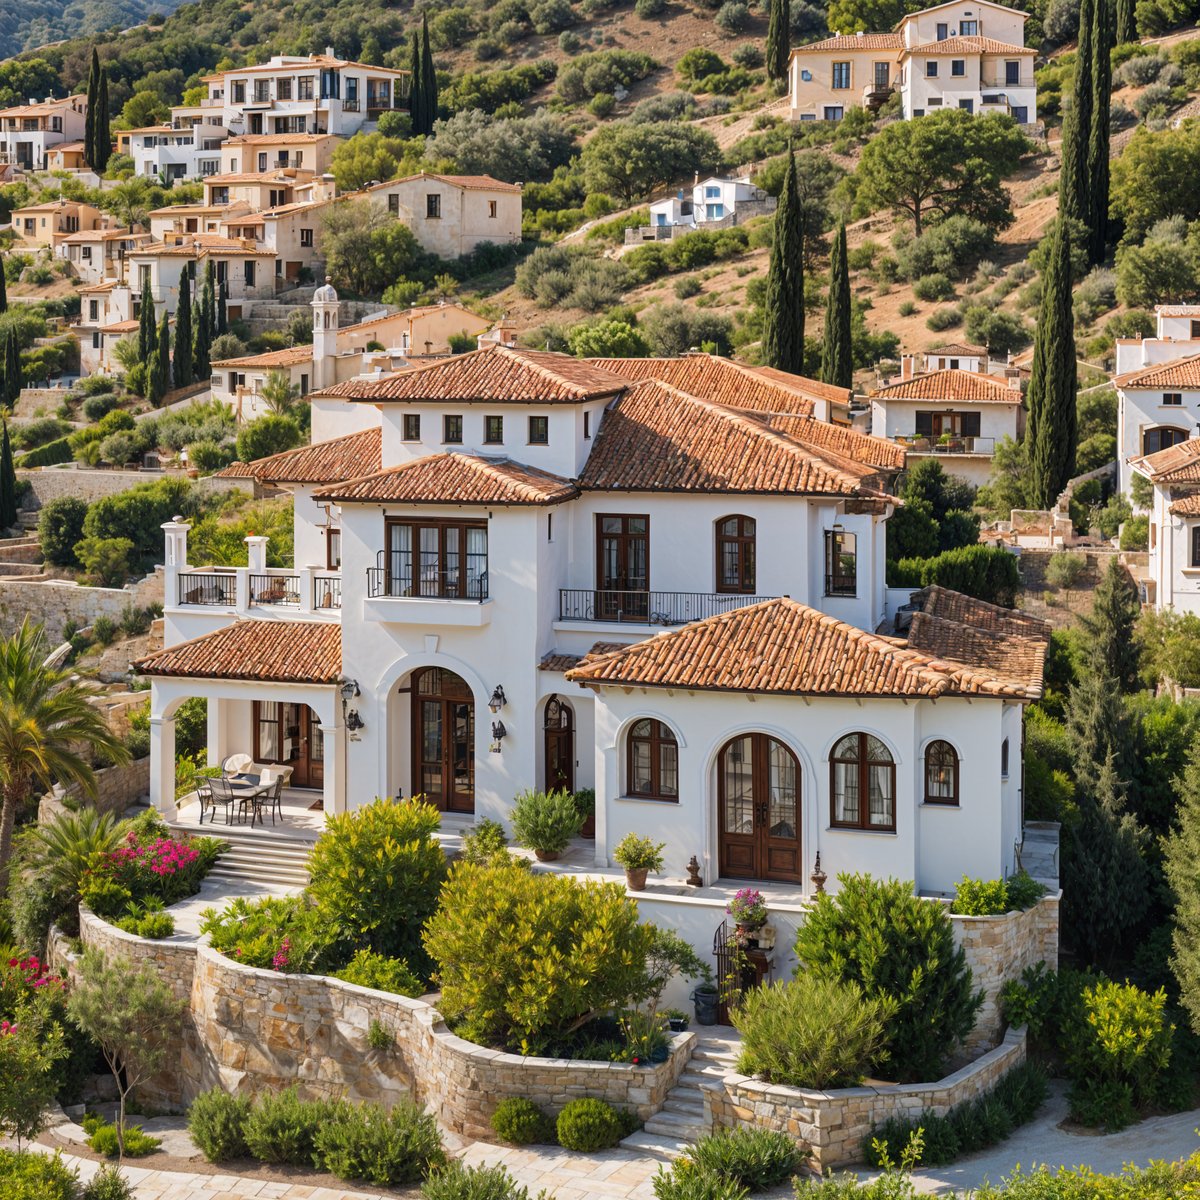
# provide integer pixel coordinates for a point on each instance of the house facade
(1173, 574)
(48, 224)
(534, 571)
(965, 54)
(29, 131)
(189, 147)
(711, 203)
(956, 416)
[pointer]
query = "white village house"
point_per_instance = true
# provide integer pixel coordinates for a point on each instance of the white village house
(1173, 575)
(659, 579)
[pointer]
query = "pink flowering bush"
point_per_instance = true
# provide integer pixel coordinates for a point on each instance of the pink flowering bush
(748, 908)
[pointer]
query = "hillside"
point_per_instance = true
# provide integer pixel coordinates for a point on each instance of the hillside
(36, 23)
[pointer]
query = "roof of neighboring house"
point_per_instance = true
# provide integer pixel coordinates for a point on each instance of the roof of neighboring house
(106, 285)
(954, 385)
(470, 183)
(853, 41)
(200, 244)
(454, 479)
(969, 45)
(959, 348)
(563, 661)
(1179, 372)
(348, 457)
(277, 139)
(415, 312)
(67, 148)
(41, 108)
(1185, 506)
(120, 327)
(837, 439)
(299, 64)
(952, 3)
(937, 601)
(269, 651)
(1176, 310)
(289, 356)
(53, 206)
(659, 439)
(784, 647)
(1176, 464)
(495, 375)
(199, 210)
(265, 177)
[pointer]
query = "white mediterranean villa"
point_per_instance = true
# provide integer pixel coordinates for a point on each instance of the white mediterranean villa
(661, 579)
(967, 54)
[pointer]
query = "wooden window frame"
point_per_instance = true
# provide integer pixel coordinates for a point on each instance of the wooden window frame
(951, 801)
(543, 425)
(656, 741)
(416, 524)
(1195, 558)
(864, 792)
(835, 71)
(832, 537)
(447, 440)
(333, 537)
(488, 438)
(412, 427)
(742, 540)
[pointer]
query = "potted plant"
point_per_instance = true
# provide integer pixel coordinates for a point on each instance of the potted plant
(545, 822)
(677, 1019)
(639, 856)
(585, 801)
(748, 908)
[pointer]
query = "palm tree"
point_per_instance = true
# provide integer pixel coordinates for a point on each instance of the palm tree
(63, 851)
(47, 727)
(279, 393)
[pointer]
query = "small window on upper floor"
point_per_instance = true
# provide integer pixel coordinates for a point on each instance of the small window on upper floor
(931, 69)
(841, 563)
(958, 67)
(549, 527)
(941, 774)
(968, 29)
(492, 209)
(493, 431)
(1195, 546)
(333, 548)
(539, 431)
(1004, 759)
(943, 31)
(433, 205)
(841, 75)
(412, 427)
(1196, 330)
(587, 424)
(1172, 398)
(452, 429)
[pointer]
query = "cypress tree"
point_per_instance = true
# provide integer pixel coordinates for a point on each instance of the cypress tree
(102, 131)
(1126, 28)
(1098, 135)
(222, 315)
(200, 342)
(146, 330)
(837, 364)
(12, 371)
(1115, 611)
(1077, 123)
(429, 85)
(1051, 432)
(160, 369)
(93, 104)
(416, 93)
(182, 364)
(783, 331)
(8, 483)
(778, 40)
(1181, 861)
(3, 291)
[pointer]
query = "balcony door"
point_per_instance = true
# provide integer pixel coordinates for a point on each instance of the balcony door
(758, 794)
(291, 734)
(559, 729)
(622, 566)
(443, 740)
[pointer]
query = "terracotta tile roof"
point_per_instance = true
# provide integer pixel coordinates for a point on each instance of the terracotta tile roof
(289, 356)
(1179, 372)
(454, 479)
(1177, 310)
(1186, 506)
(347, 457)
(268, 651)
(43, 109)
(959, 348)
(555, 661)
(852, 41)
(1176, 464)
(969, 45)
(658, 439)
(1015, 661)
(496, 375)
(937, 601)
(781, 646)
(470, 183)
(804, 385)
(280, 139)
(837, 439)
(972, 386)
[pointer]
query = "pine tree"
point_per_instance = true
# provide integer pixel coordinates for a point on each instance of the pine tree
(1115, 610)
(783, 330)
(1077, 123)
(8, 483)
(1097, 725)
(160, 368)
(837, 364)
(778, 40)
(429, 85)
(102, 130)
(416, 93)
(222, 309)
(182, 364)
(1181, 861)
(1096, 216)
(146, 329)
(1051, 433)
(93, 106)
(13, 378)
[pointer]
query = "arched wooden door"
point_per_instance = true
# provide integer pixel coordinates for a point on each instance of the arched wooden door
(443, 740)
(758, 793)
(559, 733)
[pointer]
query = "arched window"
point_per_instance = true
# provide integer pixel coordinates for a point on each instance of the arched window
(862, 784)
(735, 554)
(1160, 437)
(941, 773)
(652, 766)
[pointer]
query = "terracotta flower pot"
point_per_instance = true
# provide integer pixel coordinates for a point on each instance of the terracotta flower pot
(635, 877)
(547, 855)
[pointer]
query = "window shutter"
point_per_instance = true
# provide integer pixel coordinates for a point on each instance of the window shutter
(970, 424)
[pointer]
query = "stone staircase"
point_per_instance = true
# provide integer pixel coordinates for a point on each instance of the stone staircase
(680, 1121)
(257, 855)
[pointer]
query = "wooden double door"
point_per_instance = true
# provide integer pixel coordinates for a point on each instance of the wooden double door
(758, 791)
(290, 734)
(443, 740)
(622, 567)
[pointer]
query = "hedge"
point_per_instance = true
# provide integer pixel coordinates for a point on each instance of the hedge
(58, 451)
(985, 572)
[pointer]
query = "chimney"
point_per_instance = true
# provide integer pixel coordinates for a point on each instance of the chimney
(329, 52)
(907, 362)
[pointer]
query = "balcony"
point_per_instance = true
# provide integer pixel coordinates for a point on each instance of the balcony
(647, 608)
(947, 444)
(306, 591)
(434, 595)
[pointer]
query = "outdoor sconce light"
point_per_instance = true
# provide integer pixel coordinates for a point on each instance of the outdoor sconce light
(353, 721)
(498, 734)
(498, 700)
(348, 689)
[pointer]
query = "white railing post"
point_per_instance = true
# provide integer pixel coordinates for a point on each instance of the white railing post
(306, 584)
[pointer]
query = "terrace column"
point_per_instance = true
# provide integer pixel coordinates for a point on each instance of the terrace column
(175, 558)
(162, 766)
(334, 789)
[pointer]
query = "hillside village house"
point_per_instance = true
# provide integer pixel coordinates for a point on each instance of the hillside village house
(714, 202)
(1173, 575)
(955, 415)
(535, 571)
(278, 151)
(1158, 387)
(967, 54)
(450, 215)
(189, 147)
(49, 223)
(99, 254)
(66, 156)
(28, 131)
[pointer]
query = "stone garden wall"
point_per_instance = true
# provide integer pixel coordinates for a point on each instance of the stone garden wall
(836, 1125)
(116, 789)
(49, 483)
(58, 601)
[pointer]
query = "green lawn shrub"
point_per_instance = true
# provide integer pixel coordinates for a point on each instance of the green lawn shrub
(217, 1123)
(546, 821)
(589, 1124)
(282, 1128)
(378, 971)
(990, 897)
(455, 1181)
(754, 1158)
(30, 1175)
(683, 1180)
(522, 1122)
(108, 1184)
(392, 1148)
(102, 1137)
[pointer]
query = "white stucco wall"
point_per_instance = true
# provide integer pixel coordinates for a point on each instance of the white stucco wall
(1139, 410)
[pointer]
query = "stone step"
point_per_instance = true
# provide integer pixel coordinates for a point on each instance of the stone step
(651, 1145)
(710, 1074)
(673, 1126)
(693, 1109)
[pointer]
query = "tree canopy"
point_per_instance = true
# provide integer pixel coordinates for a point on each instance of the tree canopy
(630, 161)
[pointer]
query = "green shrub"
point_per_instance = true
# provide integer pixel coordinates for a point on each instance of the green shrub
(754, 1158)
(942, 319)
(588, 1125)
(152, 925)
(522, 1122)
(217, 1123)
(388, 1149)
(1024, 891)
(683, 1180)
(455, 1181)
(371, 970)
(895, 945)
(95, 407)
(811, 1032)
(108, 1184)
(60, 526)
(59, 451)
(523, 957)
(979, 898)
(933, 287)
(31, 1175)
(282, 1128)
(253, 932)
(1135, 533)
(104, 629)
(102, 1137)
(985, 572)
(545, 821)
(487, 842)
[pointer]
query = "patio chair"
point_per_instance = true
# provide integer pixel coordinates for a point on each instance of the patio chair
(271, 795)
(221, 792)
(205, 796)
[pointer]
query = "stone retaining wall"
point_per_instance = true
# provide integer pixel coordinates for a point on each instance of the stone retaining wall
(49, 483)
(58, 601)
(836, 1125)
(116, 789)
